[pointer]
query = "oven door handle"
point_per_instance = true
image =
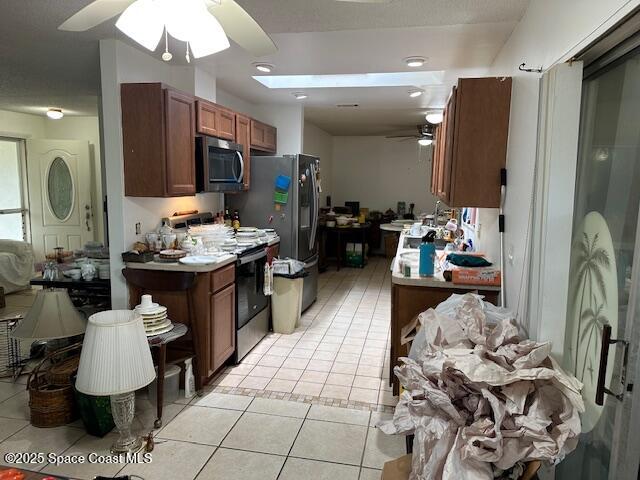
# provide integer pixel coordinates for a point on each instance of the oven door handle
(252, 258)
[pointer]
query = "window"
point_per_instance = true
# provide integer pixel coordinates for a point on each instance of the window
(12, 202)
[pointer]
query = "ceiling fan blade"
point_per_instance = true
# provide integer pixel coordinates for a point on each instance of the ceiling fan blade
(242, 28)
(94, 14)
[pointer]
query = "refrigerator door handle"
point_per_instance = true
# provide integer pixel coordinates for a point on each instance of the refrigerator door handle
(312, 263)
(314, 219)
(241, 176)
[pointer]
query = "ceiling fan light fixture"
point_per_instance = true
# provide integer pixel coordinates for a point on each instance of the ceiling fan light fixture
(208, 37)
(142, 22)
(55, 113)
(264, 67)
(425, 141)
(415, 62)
(435, 117)
(415, 93)
(300, 95)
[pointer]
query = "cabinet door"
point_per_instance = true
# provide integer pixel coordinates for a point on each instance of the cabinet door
(223, 314)
(243, 137)
(216, 121)
(180, 134)
(257, 135)
(270, 138)
(263, 137)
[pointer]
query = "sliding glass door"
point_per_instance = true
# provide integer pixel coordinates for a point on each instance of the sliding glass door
(13, 222)
(604, 256)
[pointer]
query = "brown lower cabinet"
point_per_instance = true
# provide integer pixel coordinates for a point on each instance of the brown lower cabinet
(409, 301)
(214, 311)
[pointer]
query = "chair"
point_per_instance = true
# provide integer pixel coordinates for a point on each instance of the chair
(156, 281)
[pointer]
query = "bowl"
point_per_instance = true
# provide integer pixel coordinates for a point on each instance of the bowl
(342, 221)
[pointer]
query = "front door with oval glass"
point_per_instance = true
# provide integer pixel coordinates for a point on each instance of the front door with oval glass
(59, 176)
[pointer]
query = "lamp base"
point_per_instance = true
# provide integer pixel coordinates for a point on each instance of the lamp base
(123, 409)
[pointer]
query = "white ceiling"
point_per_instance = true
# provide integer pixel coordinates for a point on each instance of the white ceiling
(42, 66)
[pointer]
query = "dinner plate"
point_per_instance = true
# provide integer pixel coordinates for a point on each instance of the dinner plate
(199, 260)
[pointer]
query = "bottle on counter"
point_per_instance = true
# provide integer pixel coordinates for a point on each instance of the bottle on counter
(427, 254)
(235, 221)
(227, 218)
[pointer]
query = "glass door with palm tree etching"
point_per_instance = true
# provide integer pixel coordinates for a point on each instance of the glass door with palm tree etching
(602, 258)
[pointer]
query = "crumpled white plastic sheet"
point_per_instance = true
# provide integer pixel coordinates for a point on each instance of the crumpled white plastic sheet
(479, 399)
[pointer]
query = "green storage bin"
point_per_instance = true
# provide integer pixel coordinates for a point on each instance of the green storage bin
(95, 413)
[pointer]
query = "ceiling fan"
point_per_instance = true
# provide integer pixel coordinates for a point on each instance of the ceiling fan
(424, 135)
(146, 20)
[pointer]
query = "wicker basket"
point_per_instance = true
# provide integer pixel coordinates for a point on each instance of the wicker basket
(51, 397)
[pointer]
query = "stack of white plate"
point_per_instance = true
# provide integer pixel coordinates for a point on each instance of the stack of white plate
(154, 317)
(214, 235)
(247, 236)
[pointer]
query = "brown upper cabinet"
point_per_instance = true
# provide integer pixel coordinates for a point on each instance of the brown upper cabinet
(216, 121)
(470, 147)
(158, 134)
(159, 127)
(263, 137)
(243, 137)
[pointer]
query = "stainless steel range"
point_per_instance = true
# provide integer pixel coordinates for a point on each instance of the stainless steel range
(252, 305)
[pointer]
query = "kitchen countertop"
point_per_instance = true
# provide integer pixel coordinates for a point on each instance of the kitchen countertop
(437, 281)
(390, 227)
(181, 267)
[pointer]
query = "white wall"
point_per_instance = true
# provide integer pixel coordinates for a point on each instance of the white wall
(28, 126)
(379, 172)
(120, 63)
(319, 143)
(550, 32)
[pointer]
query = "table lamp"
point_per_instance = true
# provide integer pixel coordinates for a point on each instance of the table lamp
(52, 316)
(116, 361)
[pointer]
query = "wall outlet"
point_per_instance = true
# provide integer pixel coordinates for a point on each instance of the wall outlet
(138, 228)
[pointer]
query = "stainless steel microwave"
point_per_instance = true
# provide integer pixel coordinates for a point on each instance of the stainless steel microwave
(219, 165)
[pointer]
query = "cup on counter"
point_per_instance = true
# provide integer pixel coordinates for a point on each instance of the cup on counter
(416, 229)
(169, 240)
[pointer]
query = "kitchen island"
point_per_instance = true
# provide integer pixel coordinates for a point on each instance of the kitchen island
(207, 307)
(414, 294)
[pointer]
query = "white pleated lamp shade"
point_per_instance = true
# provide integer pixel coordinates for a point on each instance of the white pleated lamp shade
(52, 316)
(115, 356)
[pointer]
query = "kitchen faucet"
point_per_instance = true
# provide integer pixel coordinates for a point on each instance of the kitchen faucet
(436, 214)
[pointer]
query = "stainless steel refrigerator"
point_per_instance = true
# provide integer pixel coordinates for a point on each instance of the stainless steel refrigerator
(296, 221)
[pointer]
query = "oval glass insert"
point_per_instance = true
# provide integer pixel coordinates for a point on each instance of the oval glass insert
(60, 189)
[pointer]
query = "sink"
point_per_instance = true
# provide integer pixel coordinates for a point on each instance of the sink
(414, 243)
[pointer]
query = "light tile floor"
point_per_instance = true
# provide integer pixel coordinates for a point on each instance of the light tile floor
(280, 414)
(339, 355)
(223, 436)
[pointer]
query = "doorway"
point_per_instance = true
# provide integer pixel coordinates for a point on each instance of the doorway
(605, 258)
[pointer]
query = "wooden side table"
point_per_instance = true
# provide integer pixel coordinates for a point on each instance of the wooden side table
(160, 342)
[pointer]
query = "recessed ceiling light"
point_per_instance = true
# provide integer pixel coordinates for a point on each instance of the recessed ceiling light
(55, 113)
(434, 117)
(300, 95)
(415, 62)
(416, 92)
(425, 142)
(264, 67)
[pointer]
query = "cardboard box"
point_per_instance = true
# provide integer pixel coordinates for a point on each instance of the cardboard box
(398, 469)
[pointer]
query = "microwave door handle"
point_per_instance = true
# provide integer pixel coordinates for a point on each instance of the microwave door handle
(241, 176)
